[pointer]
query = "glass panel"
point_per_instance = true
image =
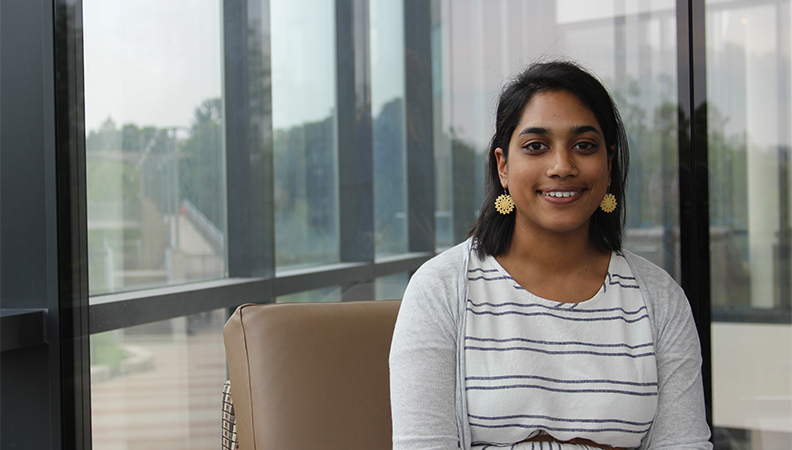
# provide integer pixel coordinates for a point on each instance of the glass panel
(154, 143)
(331, 294)
(159, 385)
(748, 90)
(387, 110)
(391, 287)
(304, 120)
(441, 105)
(631, 46)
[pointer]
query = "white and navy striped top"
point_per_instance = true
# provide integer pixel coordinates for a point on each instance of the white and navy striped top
(572, 370)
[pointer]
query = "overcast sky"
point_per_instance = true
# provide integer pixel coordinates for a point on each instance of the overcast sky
(150, 62)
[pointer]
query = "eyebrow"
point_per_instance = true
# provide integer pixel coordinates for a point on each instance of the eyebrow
(583, 129)
(580, 129)
(534, 130)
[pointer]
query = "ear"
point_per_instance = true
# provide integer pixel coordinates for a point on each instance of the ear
(502, 168)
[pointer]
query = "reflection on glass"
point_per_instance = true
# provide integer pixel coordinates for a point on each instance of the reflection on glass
(154, 146)
(748, 79)
(159, 386)
(441, 112)
(391, 287)
(631, 46)
(305, 144)
(387, 109)
(332, 294)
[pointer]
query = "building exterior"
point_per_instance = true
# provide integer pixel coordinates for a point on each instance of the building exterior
(163, 162)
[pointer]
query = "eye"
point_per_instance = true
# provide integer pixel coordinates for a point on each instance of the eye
(585, 146)
(535, 146)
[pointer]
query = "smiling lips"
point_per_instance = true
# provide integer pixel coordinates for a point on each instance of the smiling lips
(560, 194)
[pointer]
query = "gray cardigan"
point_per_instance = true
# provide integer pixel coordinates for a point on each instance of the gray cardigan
(427, 366)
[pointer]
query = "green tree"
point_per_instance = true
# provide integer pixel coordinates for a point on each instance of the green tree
(201, 167)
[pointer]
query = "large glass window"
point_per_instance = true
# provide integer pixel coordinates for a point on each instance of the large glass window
(300, 78)
(631, 46)
(156, 200)
(158, 386)
(154, 143)
(304, 121)
(387, 111)
(443, 132)
(748, 89)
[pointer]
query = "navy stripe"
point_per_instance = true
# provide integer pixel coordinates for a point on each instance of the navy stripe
(488, 444)
(565, 391)
(479, 269)
(518, 287)
(576, 319)
(536, 341)
(538, 305)
(621, 277)
(553, 380)
(482, 277)
(549, 352)
(570, 430)
(559, 419)
(624, 286)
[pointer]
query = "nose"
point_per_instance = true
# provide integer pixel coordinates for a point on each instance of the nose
(561, 165)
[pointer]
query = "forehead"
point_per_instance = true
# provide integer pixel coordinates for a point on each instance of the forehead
(552, 109)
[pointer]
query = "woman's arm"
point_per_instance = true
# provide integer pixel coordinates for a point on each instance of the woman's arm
(680, 422)
(423, 363)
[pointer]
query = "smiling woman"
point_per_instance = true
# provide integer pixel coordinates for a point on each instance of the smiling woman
(541, 328)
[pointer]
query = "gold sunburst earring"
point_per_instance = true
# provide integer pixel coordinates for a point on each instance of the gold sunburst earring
(504, 203)
(608, 203)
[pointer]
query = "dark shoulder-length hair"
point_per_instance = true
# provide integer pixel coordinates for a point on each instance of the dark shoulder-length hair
(493, 231)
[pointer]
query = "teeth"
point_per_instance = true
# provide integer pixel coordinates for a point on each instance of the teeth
(560, 194)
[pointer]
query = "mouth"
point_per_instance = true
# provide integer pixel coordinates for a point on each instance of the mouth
(560, 194)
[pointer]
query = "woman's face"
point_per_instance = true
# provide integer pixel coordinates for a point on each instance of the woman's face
(558, 168)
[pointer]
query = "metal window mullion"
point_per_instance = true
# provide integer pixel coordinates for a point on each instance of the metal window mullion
(46, 385)
(72, 228)
(693, 177)
(123, 310)
(354, 133)
(247, 92)
(420, 134)
(783, 253)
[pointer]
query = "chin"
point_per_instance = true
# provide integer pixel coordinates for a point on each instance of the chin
(564, 227)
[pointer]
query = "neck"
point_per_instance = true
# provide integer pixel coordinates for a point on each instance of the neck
(553, 252)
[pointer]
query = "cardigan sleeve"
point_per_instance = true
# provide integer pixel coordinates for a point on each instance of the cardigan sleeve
(680, 421)
(423, 361)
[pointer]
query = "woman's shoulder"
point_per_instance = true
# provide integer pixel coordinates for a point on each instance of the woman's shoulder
(447, 263)
(440, 277)
(434, 292)
(646, 270)
(664, 298)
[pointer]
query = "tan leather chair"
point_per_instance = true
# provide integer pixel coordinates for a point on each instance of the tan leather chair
(311, 375)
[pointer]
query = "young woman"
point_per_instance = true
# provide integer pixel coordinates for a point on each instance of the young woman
(540, 331)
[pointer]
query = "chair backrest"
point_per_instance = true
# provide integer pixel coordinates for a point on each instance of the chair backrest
(311, 375)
